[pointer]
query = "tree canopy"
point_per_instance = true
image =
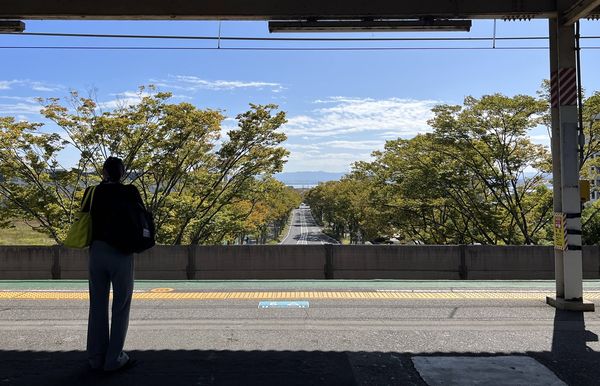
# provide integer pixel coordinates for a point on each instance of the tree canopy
(197, 184)
(475, 178)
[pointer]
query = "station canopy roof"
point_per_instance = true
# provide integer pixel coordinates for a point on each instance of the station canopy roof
(296, 10)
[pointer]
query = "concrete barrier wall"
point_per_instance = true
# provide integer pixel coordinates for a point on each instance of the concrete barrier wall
(419, 262)
(509, 262)
(26, 262)
(259, 262)
(591, 262)
(394, 262)
(164, 262)
(73, 263)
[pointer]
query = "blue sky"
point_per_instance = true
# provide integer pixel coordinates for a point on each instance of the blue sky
(341, 105)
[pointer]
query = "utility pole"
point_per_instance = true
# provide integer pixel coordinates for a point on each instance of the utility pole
(565, 165)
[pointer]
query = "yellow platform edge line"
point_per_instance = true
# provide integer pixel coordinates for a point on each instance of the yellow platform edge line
(310, 295)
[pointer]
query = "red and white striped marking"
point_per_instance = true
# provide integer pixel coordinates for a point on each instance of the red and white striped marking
(563, 87)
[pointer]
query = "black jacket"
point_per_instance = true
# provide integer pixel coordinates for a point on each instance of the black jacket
(108, 211)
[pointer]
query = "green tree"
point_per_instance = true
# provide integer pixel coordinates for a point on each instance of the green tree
(477, 178)
(591, 130)
(590, 220)
(325, 206)
(589, 165)
(253, 149)
(260, 214)
(33, 185)
(488, 137)
(163, 145)
(171, 152)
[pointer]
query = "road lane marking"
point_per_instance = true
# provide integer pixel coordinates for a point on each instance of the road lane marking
(300, 220)
(302, 238)
(290, 228)
(292, 295)
(305, 238)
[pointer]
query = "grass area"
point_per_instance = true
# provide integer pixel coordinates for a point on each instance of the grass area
(22, 234)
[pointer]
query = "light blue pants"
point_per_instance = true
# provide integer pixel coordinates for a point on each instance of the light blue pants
(107, 265)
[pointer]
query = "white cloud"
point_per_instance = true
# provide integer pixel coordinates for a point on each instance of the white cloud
(343, 116)
(355, 145)
(131, 98)
(396, 135)
(331, 155)
(300, 120)
(123, 99)
(540, 139)
(31, 84)
(40, 86)
(6, 84)
(18, 98)
(20, 108)
(329, 161)
(296, 146)
(363, 125)
(194, 83)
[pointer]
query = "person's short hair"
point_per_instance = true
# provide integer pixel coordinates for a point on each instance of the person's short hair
(114, 168)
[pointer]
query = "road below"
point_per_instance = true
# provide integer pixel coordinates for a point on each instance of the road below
(305, 230)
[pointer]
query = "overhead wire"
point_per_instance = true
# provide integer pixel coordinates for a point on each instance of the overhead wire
(167, 48)
(289, 39)
(150, 48)
(259, 38)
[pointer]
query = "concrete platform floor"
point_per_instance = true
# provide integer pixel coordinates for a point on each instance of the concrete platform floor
(372, 339)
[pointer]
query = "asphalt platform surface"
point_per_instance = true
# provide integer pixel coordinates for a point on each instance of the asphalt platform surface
(351, 333)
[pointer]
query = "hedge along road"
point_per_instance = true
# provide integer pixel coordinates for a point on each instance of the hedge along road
(305, 230)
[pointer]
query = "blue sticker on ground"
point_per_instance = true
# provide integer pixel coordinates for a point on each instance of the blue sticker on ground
(284, 304)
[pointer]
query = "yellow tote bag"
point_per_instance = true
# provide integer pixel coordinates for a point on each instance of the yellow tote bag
(80, 233)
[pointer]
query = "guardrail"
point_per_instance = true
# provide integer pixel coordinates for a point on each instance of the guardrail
(427, 262)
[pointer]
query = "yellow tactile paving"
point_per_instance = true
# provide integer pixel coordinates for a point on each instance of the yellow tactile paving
(301, 295)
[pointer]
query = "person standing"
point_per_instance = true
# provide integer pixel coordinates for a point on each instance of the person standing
(110, 262)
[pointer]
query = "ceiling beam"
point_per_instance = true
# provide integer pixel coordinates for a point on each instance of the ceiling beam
(580, 9)
(272, 9)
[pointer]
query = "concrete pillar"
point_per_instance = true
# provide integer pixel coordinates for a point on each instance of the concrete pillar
(569, 161)
(569, 269)
(555, 146)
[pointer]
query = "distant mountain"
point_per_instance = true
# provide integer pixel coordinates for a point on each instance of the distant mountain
(307, 178)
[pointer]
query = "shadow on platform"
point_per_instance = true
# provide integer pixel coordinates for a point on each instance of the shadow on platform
(179, 367)
(569, 358)
(196, 367)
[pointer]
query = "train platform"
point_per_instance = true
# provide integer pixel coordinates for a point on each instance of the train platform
(330, 332)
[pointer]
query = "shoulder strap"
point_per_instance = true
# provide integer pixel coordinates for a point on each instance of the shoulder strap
(89, 198)
(92, 197)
